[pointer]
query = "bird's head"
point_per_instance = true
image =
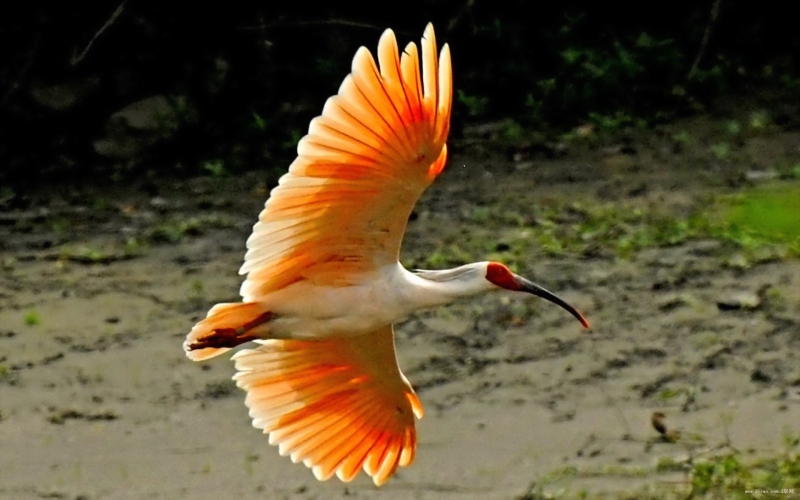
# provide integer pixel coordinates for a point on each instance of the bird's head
(481, 277)
(501, 277)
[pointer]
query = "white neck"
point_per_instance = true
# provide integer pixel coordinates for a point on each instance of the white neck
(417, 292)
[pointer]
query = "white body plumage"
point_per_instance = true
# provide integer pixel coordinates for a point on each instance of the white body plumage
(305, 310)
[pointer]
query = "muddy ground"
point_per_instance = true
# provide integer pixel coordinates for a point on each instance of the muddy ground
(99, 286)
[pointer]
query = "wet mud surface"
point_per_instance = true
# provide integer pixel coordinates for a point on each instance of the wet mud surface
(99, 286)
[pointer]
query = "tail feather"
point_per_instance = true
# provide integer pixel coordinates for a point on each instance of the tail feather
(221, 317)
(338, 405)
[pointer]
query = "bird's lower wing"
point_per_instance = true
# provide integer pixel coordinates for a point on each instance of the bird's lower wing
(342, 208)
(337, 405)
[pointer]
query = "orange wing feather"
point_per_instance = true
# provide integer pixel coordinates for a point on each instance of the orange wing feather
(341, 404)
(337, 405)
(342, 208)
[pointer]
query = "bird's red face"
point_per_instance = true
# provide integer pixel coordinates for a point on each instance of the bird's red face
(500, 276)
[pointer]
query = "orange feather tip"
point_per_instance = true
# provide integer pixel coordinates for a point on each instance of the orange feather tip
(336, 405)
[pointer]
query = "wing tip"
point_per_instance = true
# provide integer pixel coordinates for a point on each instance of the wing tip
(361, 53)
(387, 36)
(429, 32)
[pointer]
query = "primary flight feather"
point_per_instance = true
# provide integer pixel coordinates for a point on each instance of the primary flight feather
(324, 285)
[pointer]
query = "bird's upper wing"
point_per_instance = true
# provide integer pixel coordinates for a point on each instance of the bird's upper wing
(342, 208)
(338, 404)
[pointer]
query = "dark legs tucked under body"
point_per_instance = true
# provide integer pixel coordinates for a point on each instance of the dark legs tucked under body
(231, 337)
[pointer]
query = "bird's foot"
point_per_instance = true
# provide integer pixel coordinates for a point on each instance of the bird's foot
(222, 337)
(230, 337)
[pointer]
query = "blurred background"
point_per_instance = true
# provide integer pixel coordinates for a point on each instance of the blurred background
(233, 86)
(640, 160)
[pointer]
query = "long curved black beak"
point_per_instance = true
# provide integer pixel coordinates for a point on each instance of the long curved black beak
(528, 286)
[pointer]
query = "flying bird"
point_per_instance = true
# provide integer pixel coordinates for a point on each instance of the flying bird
(324, 285)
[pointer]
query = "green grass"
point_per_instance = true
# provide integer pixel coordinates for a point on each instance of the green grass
(85, 254)
(175, 229)
(755, 225)
(730, 475)
(475, 105)
(770, 213)
(31, 318)
(216, 168)
(721, 150)
(765, 223)
(88, 254)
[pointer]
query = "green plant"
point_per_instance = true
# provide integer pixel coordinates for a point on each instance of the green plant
(216, 168)
(476, 106)
(84, 254)
(613, 123)
(759, 120)
(759, 223)
(682, 138)
(721, 150)
(291, 142)
(768, 214)
(733, 127)
(174, 229)
(32, 318)
(259, 123)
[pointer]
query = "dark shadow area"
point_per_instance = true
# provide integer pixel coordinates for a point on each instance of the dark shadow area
(118, 91)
